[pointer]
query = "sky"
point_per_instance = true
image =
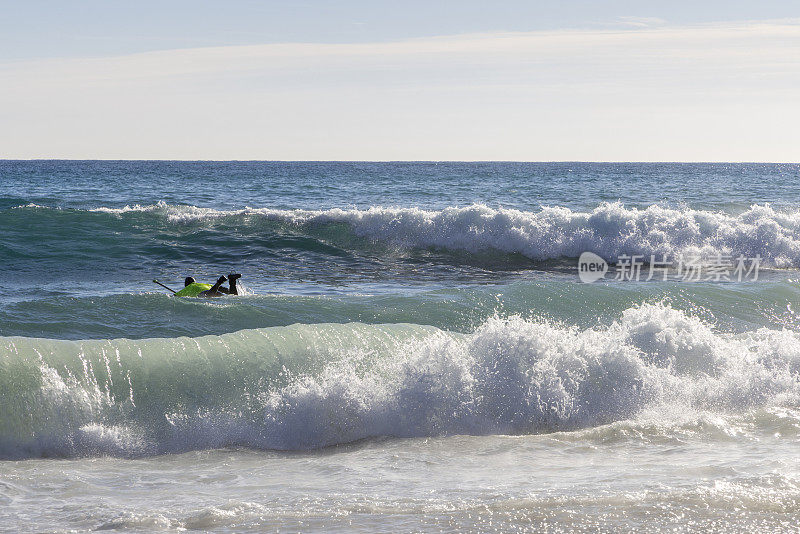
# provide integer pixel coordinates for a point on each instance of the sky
(351, 80)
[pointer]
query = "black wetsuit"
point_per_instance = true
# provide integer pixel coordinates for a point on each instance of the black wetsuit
(217, 290)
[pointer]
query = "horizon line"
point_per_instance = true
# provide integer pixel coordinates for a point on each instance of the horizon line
(396, 161)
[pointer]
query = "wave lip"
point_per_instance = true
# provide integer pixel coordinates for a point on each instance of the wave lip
(312, 386)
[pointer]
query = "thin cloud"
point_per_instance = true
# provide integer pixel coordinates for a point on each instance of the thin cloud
(641, 22)
(536, 95)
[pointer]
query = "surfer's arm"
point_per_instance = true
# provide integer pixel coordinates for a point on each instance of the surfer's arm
(215, 289)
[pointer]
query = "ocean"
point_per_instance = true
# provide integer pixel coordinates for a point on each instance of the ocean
(413, 349)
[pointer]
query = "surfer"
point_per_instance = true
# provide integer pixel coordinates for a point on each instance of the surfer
(194, 289)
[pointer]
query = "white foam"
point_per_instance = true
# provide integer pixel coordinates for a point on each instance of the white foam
(310, 386)
(515, 376)
(609, 230)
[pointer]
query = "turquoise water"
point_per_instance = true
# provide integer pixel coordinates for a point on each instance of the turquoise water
(413, 349)
(372, 242)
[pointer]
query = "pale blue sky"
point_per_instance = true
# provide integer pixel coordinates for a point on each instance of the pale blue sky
(56, 28)
(546, 80)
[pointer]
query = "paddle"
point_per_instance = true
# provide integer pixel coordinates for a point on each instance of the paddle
(165, 287)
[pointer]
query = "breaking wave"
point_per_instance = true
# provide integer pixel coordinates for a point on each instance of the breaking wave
(311, 386)
(609, 230)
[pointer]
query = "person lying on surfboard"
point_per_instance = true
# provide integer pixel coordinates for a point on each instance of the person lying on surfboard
(195, 289)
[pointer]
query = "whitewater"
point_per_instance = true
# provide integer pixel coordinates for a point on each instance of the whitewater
(314, 386)
(609, 230)
(413, 350)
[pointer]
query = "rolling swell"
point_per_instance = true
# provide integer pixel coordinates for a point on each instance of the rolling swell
(138, 315)
(610, 230)
(311, 386)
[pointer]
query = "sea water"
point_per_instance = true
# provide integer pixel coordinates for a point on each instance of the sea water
(413, 349)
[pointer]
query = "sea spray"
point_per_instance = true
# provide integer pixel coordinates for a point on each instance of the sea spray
(312, 386)
(609, 230)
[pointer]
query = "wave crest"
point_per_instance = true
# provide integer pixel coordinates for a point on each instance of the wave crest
(610, 230)
(310, 386)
